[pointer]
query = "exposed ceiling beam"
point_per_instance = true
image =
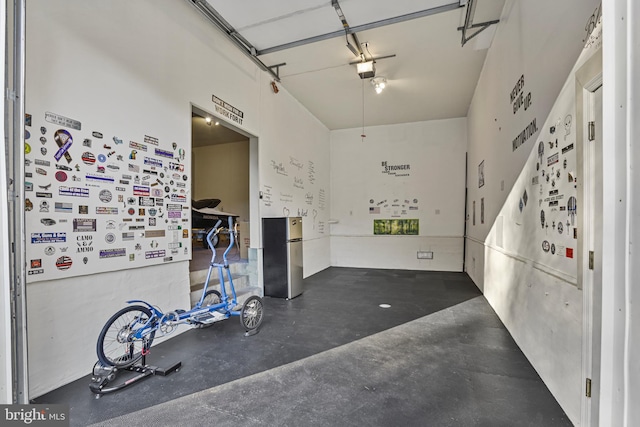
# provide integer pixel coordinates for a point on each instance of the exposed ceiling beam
(232, 35)
(364, 27)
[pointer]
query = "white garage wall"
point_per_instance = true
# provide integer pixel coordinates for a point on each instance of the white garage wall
(432, 192)
(294, 172)
(536, 297)
(138, 67)
(538, 40)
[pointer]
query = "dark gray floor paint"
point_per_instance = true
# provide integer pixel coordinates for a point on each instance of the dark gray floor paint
(438, 357)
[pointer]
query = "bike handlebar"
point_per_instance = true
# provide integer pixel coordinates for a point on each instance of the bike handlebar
(231, 240)
(215, 230)
(212, 233)
(231, 226)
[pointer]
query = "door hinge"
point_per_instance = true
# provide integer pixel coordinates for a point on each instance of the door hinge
(588, 387)
(590, 260)
(592, 131)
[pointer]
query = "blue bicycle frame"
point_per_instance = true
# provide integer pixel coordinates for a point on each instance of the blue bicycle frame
(128, 335)
(224, 307)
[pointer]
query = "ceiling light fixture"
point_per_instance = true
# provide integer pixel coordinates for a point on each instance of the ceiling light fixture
(379, 83)
(217, 123)
(366, 70)
(208, 120)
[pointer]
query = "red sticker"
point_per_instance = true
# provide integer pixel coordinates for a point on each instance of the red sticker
(61, 176)
(569, 252)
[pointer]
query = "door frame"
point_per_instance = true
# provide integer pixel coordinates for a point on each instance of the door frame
(254, 190)
(14, 104)
(589, 79)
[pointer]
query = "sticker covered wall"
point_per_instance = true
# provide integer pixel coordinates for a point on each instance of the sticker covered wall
(541, 212)
(98, 201)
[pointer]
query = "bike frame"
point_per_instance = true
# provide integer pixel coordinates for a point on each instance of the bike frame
(227, 303)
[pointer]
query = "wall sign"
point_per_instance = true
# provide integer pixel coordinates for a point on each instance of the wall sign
(395, 170)
(517, 98)
(59, 120)
(227, 110)
(521, 102)
(474, 213)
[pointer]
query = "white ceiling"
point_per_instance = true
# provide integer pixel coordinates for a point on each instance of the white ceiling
(431, 76)
(204, 134)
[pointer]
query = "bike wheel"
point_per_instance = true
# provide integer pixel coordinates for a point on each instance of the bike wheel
(210, 298)
(116, 345)
(252, 313)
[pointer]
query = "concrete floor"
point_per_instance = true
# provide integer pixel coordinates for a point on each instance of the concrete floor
(438, 356)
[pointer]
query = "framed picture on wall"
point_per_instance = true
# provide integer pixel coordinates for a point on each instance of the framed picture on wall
(396, 227)
(481, 174)
(474, 213)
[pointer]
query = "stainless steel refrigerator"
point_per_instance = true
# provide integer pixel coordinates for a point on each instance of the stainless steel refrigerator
(282, 256)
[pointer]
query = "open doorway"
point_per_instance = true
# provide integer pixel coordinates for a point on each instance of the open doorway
(220, 163)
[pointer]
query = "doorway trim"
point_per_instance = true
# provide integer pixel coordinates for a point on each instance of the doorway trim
(14, 104)
(255, 257)
(588, 79)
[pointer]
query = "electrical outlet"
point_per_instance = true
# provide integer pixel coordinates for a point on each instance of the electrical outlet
(425, 255)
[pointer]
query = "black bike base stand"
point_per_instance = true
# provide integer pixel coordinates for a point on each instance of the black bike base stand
(251, 332)
(103, 375)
